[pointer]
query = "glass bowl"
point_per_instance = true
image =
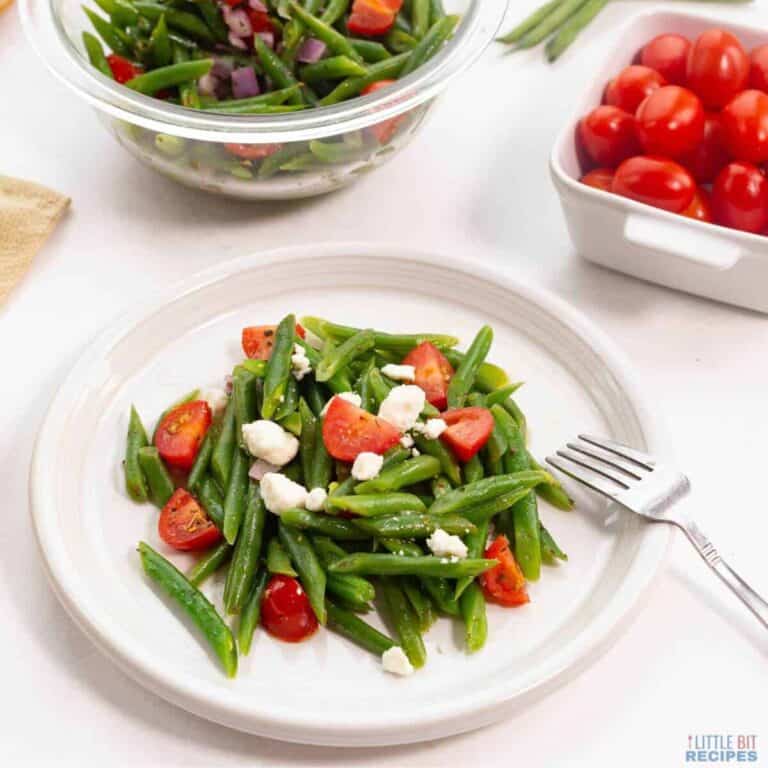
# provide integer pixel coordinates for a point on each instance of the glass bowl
(322, 149)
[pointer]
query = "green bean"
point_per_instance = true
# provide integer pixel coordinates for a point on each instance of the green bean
(211, 499)
(334, 10)
(173, 74)
(473, 469)
(401, 547)
(242, 569)
(194, 603)
(498, 396)
(291, 423)
(371, 51)
(527, 24)
(251, 613)
(472, 605)
(188, 92)
(375, 504)
(335, 41)
(441, 591)
(160, 44)
(332, 68)
(464, 378)
(236, 496)
(355, 629)
(278, 560)
(315, 522)
(276, 70)
(315, 395)
(475, 542)
(404, 622)
(293, 471)
(412, 525)
(483, 513)
(389, 69)
(311, 573)
(364, 389)
(354, 591)
(245, 398)
(554, 493)
(209, 563)
(436, 11)
(212, 16)
(272, 98)
(448, 464)
(279, 366)
(401, 475)
(202, 460)
(364, 563)
(486, 489)
(419, 602)
(440, 485)
(136, 439)
(339, 357)
(322, 466)
(160, 484)
(549, 23)
(378, 386)
(401, 22)
(339, 382)
(420, 17)
(188, 23)
(114, 37)
(488, 377)
(428, 46)
(96, 54)
(108, 6)
(497, 445)
(290, 401)
(400, 41)
(550, 552)
(307, 440)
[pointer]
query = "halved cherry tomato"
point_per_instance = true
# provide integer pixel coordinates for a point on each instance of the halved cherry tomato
(503, 584)
(468, 430)
(260, 21)
(745, 126)
(373, 17)
(285, 610)
(709, 156)
(655, 181)
(122, 69)
(252, 151)
(349, 430)
(233, 3)
(184, 525)
(668, 55)
(258, 340)
(385, 130)
(717, 68)
(608, 135)
(433, 372)
(181, 432)
(600, 178)
(740, 198)
(631, 86)
(758, 71)
(670, 121)
(700, 208)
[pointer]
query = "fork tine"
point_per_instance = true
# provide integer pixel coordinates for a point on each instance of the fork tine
(643, 459)
(586, 476)
(595, 466)
(628, 468)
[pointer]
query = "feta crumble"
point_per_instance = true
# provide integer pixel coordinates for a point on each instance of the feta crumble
(216, 398)
(315, 499)
(300, 366)
(402, 406)
(269, 441)
(445, 545)
(406, 441)
(399, 372)
(367, 466)
(350, 397)
(431, 428)
(396, 662)
(281, 493)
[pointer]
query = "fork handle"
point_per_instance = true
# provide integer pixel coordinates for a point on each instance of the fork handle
(732, 580)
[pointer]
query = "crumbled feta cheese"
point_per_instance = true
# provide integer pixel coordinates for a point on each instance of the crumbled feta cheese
(269, 441)
(396, 662)
(406, 441)
(367, 466)
(415, 452)
(281, 493)
(399, 372)
(431, 428)
(315, 499)
(350, 397)
(402, 406)
(444, 545)
(216, 398)
(259, 468)
(300, 366)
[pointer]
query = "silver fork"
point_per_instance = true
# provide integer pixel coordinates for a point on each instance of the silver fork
(638, 482)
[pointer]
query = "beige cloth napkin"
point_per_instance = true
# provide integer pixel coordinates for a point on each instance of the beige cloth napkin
(28, 214)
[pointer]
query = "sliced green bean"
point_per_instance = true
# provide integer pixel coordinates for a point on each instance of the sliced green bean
(472, 605)
(355, 629)
(311, 573)
(483, 513)
(251, 613)
(166, 77)
(448, 464)
(235, 498)
(412, 525)
(271, 98)
(333, 68)
(498, 396)
(370, 50)
(464, 378)
(114, 37)
(339, 357)
(419, 601)
(554, 492)
(160, 49)
(276, 70)
(550, 552)
(335, 41)
(334, 10)
(290, 401)
(210, 497)
(430, 44)
(188, 93)
(421, 11)
(160, 484)
(194, 603)
(316, 522)
(202, 460)
(473, 470)
(371, 505)
(209, 563)
(436, 11)
(212, 16)
(404, 622)
(307, 441)
(364, 563)
(475, 542)
(245, 399)
(96, 54)
(400, 41)
(184, 21)
(279, 366)
(136, 439)
(278, 560)
(401, 475)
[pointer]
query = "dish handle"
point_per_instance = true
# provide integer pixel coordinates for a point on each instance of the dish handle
(683, 241)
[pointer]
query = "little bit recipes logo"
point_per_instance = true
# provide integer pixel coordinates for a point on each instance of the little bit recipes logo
(727, 748)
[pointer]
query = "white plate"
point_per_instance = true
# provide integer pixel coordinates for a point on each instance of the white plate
(327, 691)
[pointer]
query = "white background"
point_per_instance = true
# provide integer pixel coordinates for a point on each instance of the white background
(474, 181)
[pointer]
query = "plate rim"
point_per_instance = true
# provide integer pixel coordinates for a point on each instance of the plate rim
(445, 719)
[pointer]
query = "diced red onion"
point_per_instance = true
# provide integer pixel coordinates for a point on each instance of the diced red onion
(259, 468)
(207, 84)
(257, 5)
(244, 83)
(222, 68)
(268, 38)
(311, 50)
(237, 20)
(237, 42)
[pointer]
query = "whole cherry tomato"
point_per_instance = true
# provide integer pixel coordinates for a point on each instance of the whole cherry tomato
(668, 55)
(740, 198)
(670, 121)
(718, 67)
(631, 86)
(700, 207)
(758, 71)
(709, 156)
(600, 178)
(608, 135)
(745, 126)
(655, 181)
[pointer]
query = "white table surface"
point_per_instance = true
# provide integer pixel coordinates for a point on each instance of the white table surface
(474, 181)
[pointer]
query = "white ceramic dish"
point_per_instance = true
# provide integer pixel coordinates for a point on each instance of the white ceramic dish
(327, 691)
(647, 242)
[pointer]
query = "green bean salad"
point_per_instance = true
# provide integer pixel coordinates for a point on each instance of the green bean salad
(342, 471)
